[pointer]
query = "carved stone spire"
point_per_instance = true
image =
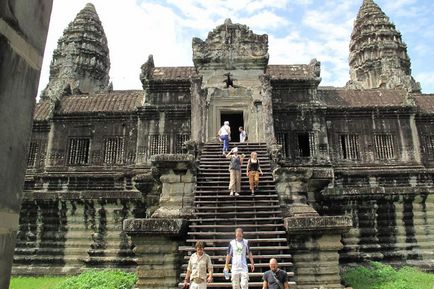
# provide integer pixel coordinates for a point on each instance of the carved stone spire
(378, 57)
(81, 62)
(231, 46)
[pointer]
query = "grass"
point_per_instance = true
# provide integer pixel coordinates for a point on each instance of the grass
(45, 282)
(380, 276)
(106, 279)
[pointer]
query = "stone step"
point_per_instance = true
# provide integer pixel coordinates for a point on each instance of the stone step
(251, 275)
(263, 258)
(239, 206)
(226, 241)
(233, 227)
(225, 248)
(235, 220)
(273, 213)
(218, 166)
(248, 235)
(243, 194)
(229, 284)
(238, 202)
(219, 267)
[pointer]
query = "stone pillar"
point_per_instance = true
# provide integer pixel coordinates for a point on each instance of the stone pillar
(297, 187)
(267, 111)
(23, 31)
(314, 243)
(156, 247)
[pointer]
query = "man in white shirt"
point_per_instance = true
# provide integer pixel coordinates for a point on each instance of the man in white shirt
(225, 134)
(238, 251)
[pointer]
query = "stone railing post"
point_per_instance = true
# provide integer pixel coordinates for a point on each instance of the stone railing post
(314, 242)
(156, 247)
(157, 239)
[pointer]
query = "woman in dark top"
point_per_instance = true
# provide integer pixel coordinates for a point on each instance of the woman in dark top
(253, 171)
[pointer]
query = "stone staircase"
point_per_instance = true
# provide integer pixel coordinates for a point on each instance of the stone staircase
(217, 215)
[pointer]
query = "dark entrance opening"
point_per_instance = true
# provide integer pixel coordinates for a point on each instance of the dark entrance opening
(236, 120)
(304, 145)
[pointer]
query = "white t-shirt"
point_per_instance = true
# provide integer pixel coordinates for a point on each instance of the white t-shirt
(243, 136)
(239, 250)
(224, 130)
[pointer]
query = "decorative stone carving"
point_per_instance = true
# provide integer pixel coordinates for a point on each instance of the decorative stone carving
(231, 46)
(267, 108)
(378, 57)
(146, 71)
(315, 67)
(81, 61)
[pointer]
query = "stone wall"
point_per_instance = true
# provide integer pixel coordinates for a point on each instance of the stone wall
(392, 216)
(23, 31)
(64, 233)
(98, 131)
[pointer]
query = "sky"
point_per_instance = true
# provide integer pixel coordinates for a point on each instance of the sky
(298, 30)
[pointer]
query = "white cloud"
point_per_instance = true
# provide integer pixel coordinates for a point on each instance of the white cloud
(427, 81)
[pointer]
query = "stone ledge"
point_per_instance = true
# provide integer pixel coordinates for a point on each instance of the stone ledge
(168, 227)
(86, 195)
(317, 224)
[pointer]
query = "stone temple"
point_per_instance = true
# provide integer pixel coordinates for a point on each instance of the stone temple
(131, 179)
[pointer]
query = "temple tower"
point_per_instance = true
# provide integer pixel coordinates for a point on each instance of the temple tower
(81, 62)
(378, 56)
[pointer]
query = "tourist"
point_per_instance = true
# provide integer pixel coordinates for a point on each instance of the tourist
(243, 134)
(235, 164)
(253, 171)
(275, 278)
(238, 251)
(224, 135)
(197, 267)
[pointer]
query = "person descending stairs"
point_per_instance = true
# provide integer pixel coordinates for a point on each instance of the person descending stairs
(217, 215)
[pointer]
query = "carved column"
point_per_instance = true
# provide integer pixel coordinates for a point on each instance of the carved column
(198, 110)
(267, 111)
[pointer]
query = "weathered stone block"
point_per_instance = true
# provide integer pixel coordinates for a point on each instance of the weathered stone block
(170, 227)
(170, 178)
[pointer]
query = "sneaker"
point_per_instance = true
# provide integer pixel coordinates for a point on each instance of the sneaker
(236, 194)
(231, 194)
(253, 193)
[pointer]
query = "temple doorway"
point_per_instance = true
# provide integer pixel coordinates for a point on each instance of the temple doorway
(236, 120)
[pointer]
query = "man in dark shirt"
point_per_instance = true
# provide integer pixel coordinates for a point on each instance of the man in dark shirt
(275, 278)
